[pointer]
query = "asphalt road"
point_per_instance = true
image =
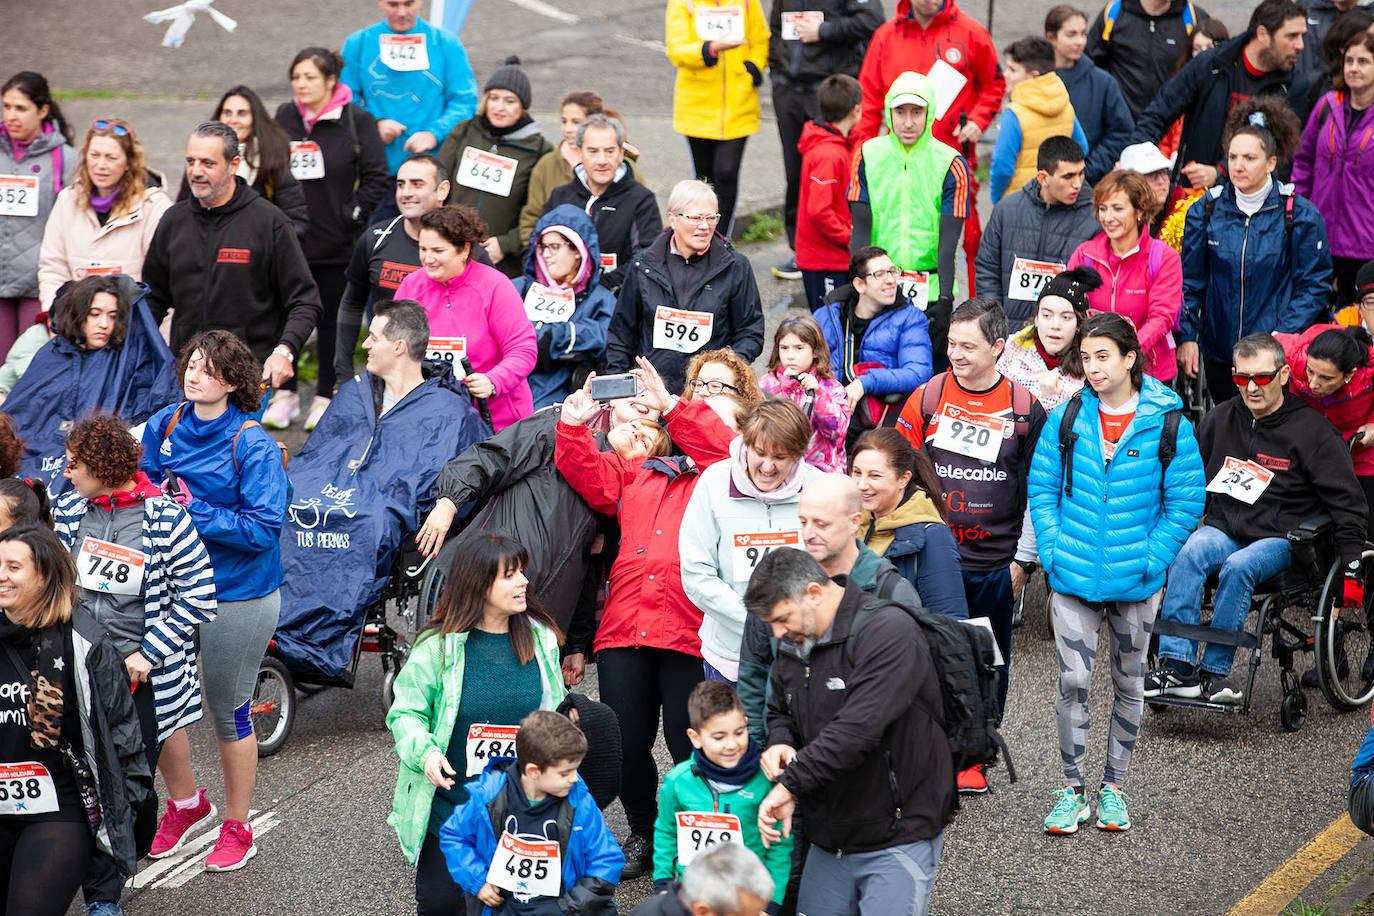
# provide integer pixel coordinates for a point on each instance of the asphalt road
(1218, 802)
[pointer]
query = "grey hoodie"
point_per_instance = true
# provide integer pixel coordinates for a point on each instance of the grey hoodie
(22, 236)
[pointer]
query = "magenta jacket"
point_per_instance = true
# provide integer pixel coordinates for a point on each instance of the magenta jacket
(1334, 168)
(1147, 291)
(481, 305)
(828, 412)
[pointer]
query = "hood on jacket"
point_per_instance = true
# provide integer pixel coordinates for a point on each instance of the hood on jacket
(341, 97)
(816, 134)
(948, 10)
(1156, 399)
(914, 510)
(624, 175)
(573, 222)
(48, 139)
(848, 298)
(1046, 94)
(1084, 198)
(1081, 70)
(243, 196)
(492, 781)
(866, 567)
(912, 83)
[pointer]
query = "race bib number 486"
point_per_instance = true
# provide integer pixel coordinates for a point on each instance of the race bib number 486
(488, 741)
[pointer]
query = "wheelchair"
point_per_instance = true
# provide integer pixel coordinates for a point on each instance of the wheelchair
(1299, 611)
(411, 592)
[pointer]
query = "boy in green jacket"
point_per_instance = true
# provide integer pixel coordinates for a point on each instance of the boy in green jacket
(713, 796)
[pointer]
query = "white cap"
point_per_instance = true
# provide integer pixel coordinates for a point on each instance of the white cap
(907, 98)
(1143, 158)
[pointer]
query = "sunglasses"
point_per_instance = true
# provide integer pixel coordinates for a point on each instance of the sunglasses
(119, 128)
(1260, 378)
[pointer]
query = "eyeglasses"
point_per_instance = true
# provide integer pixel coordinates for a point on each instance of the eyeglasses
(1241, 380)
(1367, 302)
(707, 219)
(551, 247)
(119, 128)
(712, 387)
(892, 272)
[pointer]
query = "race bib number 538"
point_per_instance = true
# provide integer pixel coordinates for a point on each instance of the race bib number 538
(26, 788)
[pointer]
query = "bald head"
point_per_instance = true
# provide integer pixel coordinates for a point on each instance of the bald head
(830, 509)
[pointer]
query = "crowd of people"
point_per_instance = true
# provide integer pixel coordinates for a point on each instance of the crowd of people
(758, 562)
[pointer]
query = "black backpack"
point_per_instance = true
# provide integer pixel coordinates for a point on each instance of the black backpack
(962, 655)
(1168, 442)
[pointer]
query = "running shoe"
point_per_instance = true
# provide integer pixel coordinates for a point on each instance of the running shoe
(639, 857)
(284, 407)
(233, 849)
(1169, 681)
(974, 780)
(788, 271)
(176, 825)
(1111, 808)
(317, 409)
(1070, 810)
(1221, 689)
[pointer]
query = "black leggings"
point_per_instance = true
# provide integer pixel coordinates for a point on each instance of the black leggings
(331, 281)
(718, 162)
(1219, 385)
(436, 893)
(636, 683)
(42, 864)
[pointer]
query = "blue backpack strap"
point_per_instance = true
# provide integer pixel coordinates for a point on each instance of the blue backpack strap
(1109, 15)
(1189, 19)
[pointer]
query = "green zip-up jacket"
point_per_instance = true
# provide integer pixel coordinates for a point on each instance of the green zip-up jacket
(685, 790)
(422, 717)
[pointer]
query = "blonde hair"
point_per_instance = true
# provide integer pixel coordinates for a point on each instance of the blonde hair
(132, 185)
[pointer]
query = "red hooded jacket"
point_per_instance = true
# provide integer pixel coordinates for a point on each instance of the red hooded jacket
(823, 221)
(1351, 407)
(900, 44)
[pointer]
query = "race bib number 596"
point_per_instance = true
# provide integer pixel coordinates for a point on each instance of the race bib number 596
(681, 330)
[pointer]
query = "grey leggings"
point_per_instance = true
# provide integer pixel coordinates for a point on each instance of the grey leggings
(1076, 624)
(231, 650)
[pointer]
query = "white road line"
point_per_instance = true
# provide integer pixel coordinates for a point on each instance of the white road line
(193, 867)
(176, 870)
(543, 9)
(658, 46)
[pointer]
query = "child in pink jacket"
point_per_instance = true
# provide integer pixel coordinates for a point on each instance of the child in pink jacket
(799, 370)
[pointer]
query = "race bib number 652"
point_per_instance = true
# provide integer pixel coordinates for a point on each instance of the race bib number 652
(18, 195)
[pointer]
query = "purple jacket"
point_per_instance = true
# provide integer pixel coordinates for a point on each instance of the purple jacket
(1334, 168)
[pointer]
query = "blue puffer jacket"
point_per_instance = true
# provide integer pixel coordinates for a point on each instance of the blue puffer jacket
(1090, 542)
(898, 338)
(1274, 287)
(563, 345)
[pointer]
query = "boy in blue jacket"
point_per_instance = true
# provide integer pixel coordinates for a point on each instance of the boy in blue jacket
(530, 840)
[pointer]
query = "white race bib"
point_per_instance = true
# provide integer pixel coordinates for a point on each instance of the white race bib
(1241, 479)
(95, 269)
(404, 52)
(449, 349)
(608, 261)
(526, 868)
(698, 831)
(489, 172)
(26, 788)
(18, 195)
(110, 568)
(748, 548)
(719, 23)
(973, 435)
(1028, 277)
(550, 306)
(916, 285)
(790, 22)
(307, 161)
(681, 330)
(487, 741)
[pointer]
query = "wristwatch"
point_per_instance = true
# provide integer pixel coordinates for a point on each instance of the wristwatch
(1027, 566)
(283, 350)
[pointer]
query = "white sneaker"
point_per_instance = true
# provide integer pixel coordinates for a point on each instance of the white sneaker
(317, 409)
(284, 407)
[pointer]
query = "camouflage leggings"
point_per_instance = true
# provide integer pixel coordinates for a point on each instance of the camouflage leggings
(1076, 626)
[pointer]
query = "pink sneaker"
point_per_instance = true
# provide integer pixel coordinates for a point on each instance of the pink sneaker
(176, 825)
(233, 849)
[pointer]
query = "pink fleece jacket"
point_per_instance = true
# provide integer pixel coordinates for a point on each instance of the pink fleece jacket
(481, 305)
(1152, 303)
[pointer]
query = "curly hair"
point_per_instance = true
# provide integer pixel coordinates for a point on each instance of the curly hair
(69, 312)
(745, 379)
(1131, 183)
(11, 447)
(103, 444)
(1269, 120)
(133, 184)
(228, 359)
(458, 225)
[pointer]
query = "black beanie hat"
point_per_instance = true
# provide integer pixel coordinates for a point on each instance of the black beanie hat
(1074, 285)
(1364, 280)
(511, 78)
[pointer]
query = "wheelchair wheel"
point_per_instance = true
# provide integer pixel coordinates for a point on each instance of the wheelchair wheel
(1293, 711)
(1345, 641)
(431, 586)
(274, 706)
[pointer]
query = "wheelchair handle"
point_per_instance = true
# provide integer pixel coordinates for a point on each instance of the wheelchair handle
(483, 410)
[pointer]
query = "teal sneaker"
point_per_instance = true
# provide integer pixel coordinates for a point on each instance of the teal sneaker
(1070, 810)
(1111, 808)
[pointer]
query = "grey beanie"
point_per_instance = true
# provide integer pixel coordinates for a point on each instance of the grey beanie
(511, 78)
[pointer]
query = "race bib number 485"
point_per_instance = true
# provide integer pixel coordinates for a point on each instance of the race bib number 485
(526, 867)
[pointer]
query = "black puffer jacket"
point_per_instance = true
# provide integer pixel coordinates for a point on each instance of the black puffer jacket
(520, 493)
(725, 288)
(845, 31)
(873, 769)
(1141, 50)
(625, 216)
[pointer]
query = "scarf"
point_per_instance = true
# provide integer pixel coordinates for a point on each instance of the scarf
(103, 204)
(733, 777)
(45, 699)
(502, 131)
(143, 489)
(1051, 361)
(739, 477)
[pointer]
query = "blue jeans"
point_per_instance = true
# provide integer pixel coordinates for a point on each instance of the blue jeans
(989, 595)
(1242, 567)
(711, 673)
(896, 880)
